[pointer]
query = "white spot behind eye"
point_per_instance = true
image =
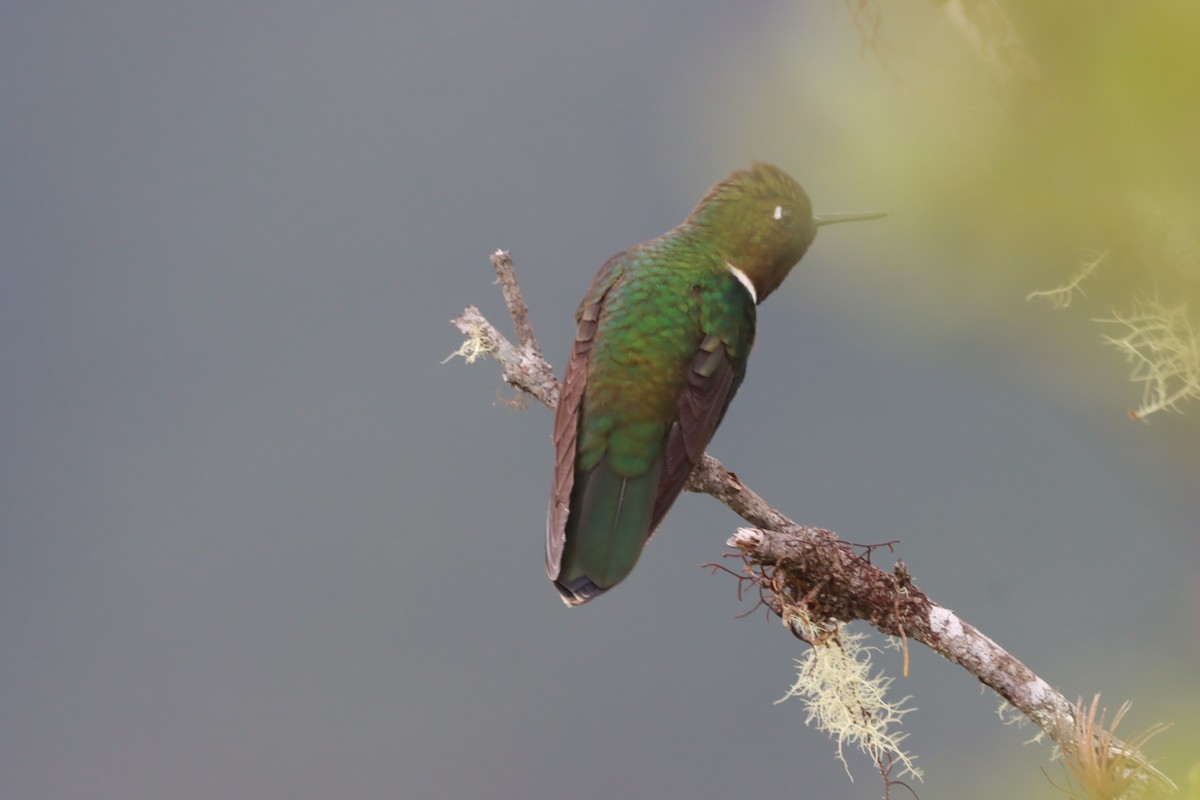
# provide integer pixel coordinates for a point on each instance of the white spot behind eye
(778, 212)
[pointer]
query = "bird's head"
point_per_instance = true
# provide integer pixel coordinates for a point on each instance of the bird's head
(761, 223)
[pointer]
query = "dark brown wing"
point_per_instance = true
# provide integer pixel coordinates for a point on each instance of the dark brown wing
(712, 381)
(566, 433)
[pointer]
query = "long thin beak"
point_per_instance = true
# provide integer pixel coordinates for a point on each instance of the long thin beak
(846, 216)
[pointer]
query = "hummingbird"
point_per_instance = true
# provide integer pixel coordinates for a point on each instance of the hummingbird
(662, 338)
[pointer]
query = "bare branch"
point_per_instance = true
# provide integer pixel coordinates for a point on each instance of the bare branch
(797, 565)
(502, 263)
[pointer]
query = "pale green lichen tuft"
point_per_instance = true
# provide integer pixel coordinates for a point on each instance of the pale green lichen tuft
(475, 346)
(1165, 352)
(844, 700)
(1011, 715)
(1061, 296)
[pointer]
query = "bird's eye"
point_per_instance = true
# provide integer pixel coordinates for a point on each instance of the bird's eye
(784, 216)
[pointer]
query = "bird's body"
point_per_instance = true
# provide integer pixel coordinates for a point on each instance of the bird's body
(662, 340)
(651, 319)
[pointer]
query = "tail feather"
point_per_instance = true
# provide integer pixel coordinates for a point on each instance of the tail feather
(608, 525)
(578, 591)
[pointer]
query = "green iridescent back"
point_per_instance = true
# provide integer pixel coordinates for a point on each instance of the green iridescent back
(668, 295)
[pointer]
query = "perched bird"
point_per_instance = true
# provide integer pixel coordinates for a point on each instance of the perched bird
(661, 343)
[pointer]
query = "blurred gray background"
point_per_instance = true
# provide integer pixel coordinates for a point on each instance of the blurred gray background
(256, 540)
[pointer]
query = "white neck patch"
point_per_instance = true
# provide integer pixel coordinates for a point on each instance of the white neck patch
(744, 280)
